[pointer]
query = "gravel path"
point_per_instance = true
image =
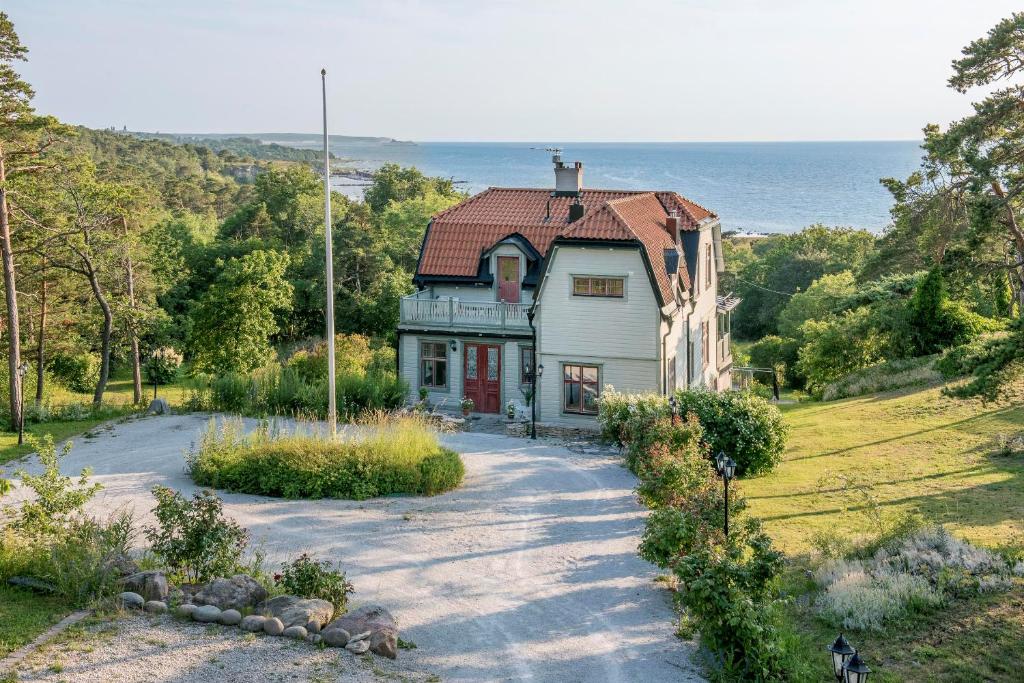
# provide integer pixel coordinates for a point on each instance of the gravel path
(527, 572)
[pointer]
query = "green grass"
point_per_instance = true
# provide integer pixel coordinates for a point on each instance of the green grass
(24, 615)
(119, 396)
(912, 451)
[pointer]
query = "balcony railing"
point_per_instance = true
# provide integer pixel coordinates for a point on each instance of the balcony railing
(452, 313)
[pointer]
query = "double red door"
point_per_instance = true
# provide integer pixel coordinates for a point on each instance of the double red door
(481, 376)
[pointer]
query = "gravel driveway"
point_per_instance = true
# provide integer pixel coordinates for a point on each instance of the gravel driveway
(527, 572)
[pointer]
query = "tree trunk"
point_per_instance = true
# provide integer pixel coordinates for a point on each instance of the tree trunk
(1017, 237)
(136, 361)
(11, 297)
(41, 345)
(108, 326)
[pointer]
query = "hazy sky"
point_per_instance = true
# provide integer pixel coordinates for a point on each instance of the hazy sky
(516, 70)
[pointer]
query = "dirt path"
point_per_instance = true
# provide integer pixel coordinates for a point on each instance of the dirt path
(527, 572)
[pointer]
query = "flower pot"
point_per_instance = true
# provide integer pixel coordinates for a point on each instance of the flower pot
(465, 412)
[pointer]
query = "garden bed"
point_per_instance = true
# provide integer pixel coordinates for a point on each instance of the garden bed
(391, 455)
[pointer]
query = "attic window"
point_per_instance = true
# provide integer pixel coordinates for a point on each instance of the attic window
(612, 287)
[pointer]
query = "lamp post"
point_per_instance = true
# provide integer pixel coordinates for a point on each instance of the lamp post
(847, 666)
(673, 405)
(726, 468)
(22, 371)
(535, 378)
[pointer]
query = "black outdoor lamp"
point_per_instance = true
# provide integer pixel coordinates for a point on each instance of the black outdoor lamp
(534, 376)
(672, 405)
(726, 467)
(856, 670)
(841, 651)
(540, 369)
(453, 345)
(22, 371)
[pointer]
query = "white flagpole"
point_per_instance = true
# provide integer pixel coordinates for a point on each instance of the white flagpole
(332, 408)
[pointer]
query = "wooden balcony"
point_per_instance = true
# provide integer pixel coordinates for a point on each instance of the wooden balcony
(458, 315)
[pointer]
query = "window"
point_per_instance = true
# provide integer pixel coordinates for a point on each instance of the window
(434, 365)
(691, 358)
(705, 342)
(525, 365)
(580, 389)
(598, 286)
(671, 374)
(707, 266)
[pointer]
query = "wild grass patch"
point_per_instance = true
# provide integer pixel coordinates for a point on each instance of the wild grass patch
(383, 455)
(884, 376)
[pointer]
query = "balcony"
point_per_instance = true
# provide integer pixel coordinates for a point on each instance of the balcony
(420, 311)
(724, 349)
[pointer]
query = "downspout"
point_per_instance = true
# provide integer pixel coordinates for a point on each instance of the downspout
(533, 373)
(664, 354)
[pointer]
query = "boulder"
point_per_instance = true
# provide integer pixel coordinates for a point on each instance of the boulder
(314, 638)
(378, 621)
(314, 626)
(358, 646)
(253, 623)
(295, 611)
(185, 610)
(131, 599)
(239, 592)
(230, 617)
(151, 585)
(206, 614)
(273, 627)
(296, 632)
(121, 566)
(155, 606)
(158, 406)
(335, 637)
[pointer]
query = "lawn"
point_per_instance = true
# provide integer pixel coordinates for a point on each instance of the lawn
(24, 615)
(119, 396)
(901, 452)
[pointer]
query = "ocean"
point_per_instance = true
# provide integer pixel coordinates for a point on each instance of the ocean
(753, 187)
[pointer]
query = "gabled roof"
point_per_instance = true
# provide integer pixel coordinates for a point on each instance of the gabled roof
(458, 237)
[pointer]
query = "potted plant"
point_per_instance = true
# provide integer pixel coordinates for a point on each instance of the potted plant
(467, 405)
(423, 405)
(510, 409)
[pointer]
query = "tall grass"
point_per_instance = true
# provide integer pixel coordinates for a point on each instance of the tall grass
(383, 455)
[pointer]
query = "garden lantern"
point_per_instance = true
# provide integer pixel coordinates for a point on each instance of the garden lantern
(841, 651)
(672, 405)
(726, 467)
(454, 345)
(856, 670)
(540, 369)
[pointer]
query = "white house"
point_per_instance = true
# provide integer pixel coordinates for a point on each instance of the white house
(595, 287)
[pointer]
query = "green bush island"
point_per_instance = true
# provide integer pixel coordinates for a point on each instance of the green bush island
(384, 456)
(76, 371)
(309, 578)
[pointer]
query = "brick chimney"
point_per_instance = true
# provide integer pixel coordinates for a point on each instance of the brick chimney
(673, 224)
(568, 179)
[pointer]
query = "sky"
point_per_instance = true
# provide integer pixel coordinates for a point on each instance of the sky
(588, 70)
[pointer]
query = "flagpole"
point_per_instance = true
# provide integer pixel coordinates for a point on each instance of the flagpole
(332, 408)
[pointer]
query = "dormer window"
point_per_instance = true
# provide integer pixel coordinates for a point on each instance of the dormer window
(611, 287)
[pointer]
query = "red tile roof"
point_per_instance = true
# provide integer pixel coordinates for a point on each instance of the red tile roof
(459, 236)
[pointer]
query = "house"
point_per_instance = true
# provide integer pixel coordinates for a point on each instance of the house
(593, 287)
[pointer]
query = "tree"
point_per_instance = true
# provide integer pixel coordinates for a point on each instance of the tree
(393, 183)
(233, 322)
(23, 137)
(817, 301)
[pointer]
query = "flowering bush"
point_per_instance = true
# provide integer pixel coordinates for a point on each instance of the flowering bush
(162, 366)
(309, 578)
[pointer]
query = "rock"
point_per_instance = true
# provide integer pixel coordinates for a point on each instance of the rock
(238, 592)
(359, 636)
(130, 599)
(358, 646)
(158, 406)
(121, 566)
(335, 637)
(314, 638)
(313, 626)
(273, 627)
(150, 585)
(185, 610)
(253, 623)
(296, 632)
(294, 611)
(33, 584)
(230, 617)
(206, 614)
(378, 621)
(155, 606)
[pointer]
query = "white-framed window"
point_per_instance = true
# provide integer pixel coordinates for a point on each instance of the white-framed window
(434, 365)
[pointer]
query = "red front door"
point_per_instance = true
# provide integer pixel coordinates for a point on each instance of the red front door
(481, 377)
(508, 279)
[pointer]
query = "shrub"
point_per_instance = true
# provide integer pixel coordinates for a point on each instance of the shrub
(193, 537)
(622, 416)
(777, 353)
(885, 376)
(162, 366)
(309, 578)
(837, 346)
(964, 359)
(387, 455)
(746, 427)
(231, 392)
(77, 371)
(58, 499)
(79, 559)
